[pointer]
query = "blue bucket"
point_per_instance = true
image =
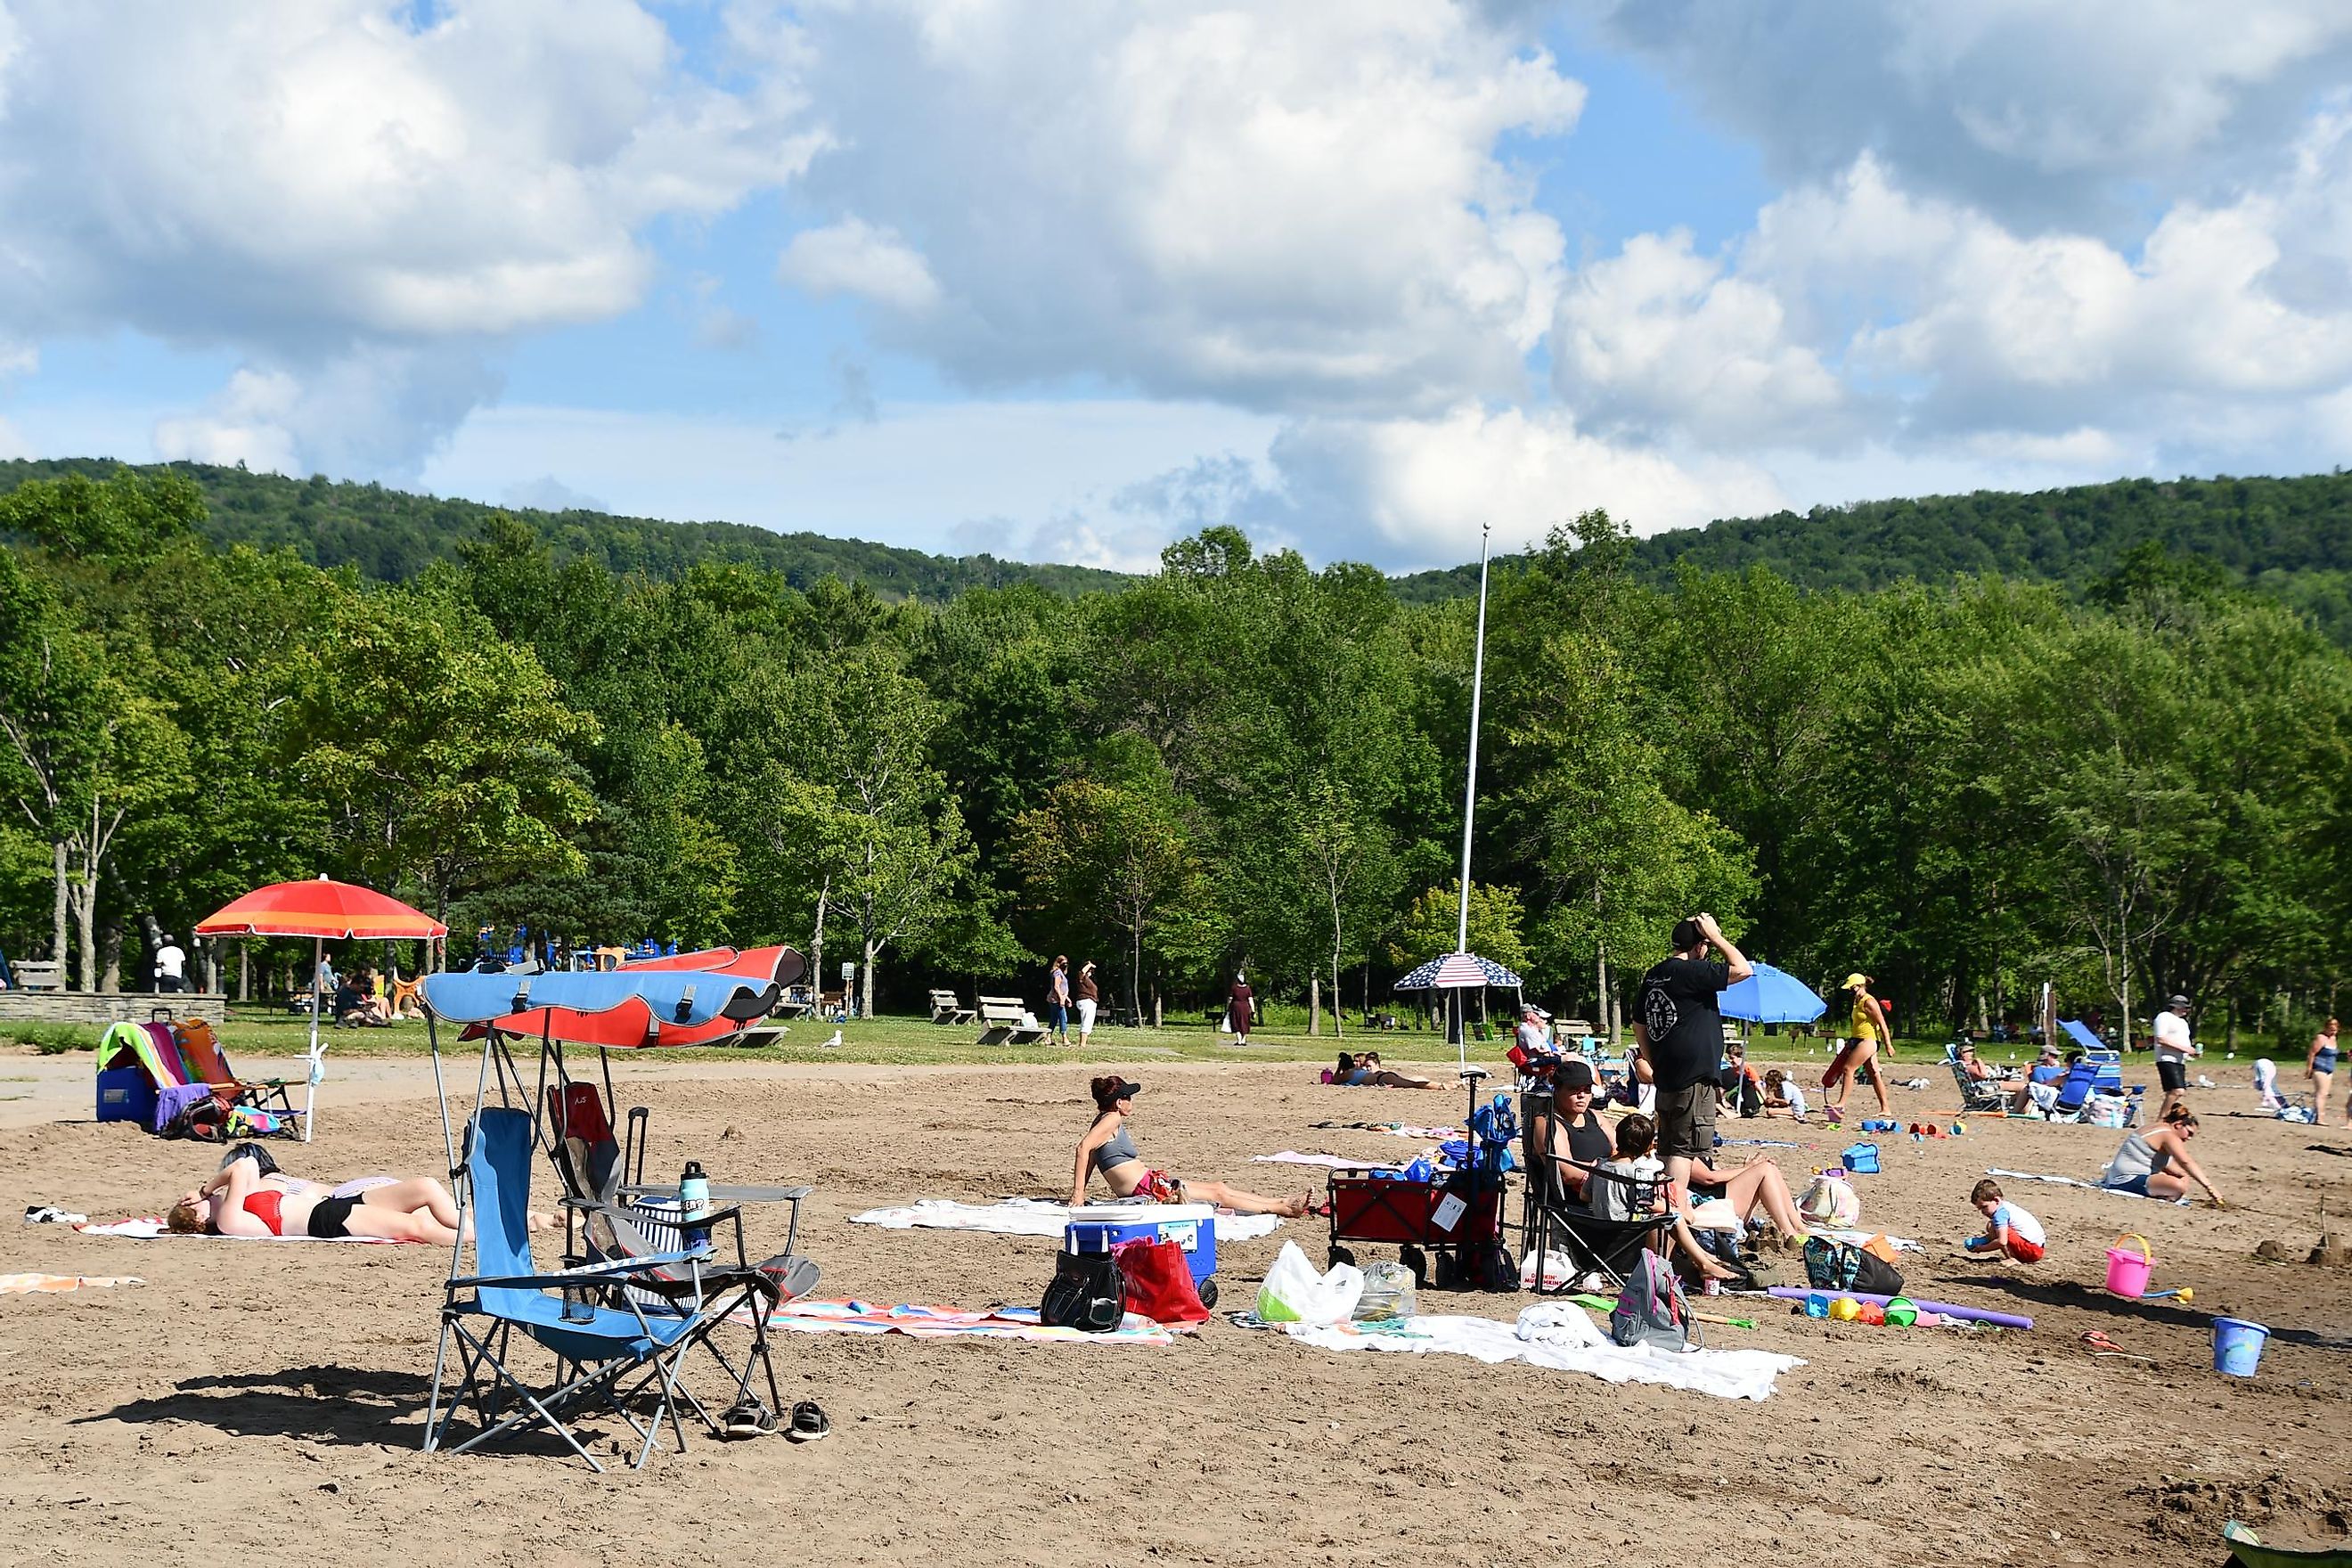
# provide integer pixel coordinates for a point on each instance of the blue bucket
(2238, 1346)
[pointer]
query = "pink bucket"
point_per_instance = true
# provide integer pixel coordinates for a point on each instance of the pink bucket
(2128, 1271)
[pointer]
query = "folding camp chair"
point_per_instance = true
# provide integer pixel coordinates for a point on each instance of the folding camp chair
(1551, 1222)
(605, 1355)
(200, 1050)
(1976, 1094)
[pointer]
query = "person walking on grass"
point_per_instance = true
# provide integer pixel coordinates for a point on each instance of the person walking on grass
(1057, 999)
(1089, 999)
(1241, 1008)
(1678, 1032)
(2173, 1049)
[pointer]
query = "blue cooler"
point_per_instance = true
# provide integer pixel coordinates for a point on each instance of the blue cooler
(126, 1094)
(1192, 1226)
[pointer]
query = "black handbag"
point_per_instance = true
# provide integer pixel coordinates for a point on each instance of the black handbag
(1087, 1292)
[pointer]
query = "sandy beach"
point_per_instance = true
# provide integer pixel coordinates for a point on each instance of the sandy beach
(269, 1398)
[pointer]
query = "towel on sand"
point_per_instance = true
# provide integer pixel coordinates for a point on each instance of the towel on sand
(52, 1284)
(1335, 1162)
(1027, 1217)
(148, 1227)
(1562, 1338)
(954, 1322)
(2069, 1181)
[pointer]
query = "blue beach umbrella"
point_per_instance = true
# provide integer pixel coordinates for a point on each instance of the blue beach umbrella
(1772, 997)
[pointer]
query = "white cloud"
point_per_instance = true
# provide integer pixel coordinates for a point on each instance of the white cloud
(375, 410)
(2034, 112)
(1659, 338)
(1285, 206)
(853, 256)
(312, 181)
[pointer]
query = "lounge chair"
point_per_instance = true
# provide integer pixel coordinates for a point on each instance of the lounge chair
(1976, 1094)
(1551, 1223)
(605, 1355)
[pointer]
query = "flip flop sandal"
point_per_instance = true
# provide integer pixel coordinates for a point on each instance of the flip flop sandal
(809, 1424)
(748, 1418)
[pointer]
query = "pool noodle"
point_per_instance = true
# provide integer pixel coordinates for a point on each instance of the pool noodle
(1966, 1314)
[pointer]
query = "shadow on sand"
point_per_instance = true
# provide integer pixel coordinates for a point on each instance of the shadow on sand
(2089, 1299)
(352, 1406)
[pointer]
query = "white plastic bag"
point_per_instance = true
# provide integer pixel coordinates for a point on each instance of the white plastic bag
(1294, 1293)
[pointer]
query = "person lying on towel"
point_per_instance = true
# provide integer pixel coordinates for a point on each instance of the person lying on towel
(1364, 1070)
(1108, 1150)
(243, 1199)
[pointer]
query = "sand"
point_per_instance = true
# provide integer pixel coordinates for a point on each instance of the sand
(269, 1398)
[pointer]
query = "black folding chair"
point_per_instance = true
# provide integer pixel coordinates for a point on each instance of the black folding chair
(1553, 1222)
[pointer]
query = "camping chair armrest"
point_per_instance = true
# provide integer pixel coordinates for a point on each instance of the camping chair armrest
(616, 1271)
(668, 1217)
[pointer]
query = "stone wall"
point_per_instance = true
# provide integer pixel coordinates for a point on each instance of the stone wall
(108, 1007)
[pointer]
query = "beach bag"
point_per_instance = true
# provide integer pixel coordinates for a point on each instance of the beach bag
(1089, 1293)
(1830, 1201)
(1294, 1293)
(1652, 1309)
(204, 1118)
(174, 1101)
(1160, 1283)
(1841, 1266)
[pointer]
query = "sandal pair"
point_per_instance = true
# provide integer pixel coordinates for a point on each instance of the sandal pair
(751, 1418)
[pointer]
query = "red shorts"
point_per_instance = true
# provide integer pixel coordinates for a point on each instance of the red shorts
(2024, 1251)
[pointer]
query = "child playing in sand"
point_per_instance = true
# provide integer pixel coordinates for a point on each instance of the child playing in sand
(1783, 1097)
(2009, 1231)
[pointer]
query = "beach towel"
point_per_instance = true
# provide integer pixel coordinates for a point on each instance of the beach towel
(1562, 1339)
(52, 1284)
(1028, 1216)
(1334, 1162)
(2072, 1182)
(148, 1227)
(923, 1322)
(1393, 1129)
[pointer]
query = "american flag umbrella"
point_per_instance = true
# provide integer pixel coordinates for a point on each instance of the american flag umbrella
(1458, 972)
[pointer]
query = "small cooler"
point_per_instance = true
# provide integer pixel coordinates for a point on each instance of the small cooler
(1192, 1226)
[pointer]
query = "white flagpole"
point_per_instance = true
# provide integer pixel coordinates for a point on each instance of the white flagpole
(1470, 784)
(310, 1091)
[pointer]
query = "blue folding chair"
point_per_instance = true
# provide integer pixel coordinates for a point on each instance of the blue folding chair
(597, 1345)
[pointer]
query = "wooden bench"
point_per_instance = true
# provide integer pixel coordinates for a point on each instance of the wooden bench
(1003, 1022)
(39, 976)
(946, 1009)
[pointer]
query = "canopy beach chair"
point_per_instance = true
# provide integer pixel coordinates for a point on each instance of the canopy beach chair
(626, 1311)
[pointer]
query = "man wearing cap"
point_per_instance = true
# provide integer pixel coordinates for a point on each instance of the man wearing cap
(1534, 1038)
(1678, 1033)
(2173, 1049)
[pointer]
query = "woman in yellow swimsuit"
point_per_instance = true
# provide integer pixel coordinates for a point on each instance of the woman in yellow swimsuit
(1869, 1030)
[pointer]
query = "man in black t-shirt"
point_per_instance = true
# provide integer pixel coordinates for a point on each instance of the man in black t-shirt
(1679, 1032)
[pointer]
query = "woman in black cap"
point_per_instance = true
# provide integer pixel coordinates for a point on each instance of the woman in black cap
(1107, 1148)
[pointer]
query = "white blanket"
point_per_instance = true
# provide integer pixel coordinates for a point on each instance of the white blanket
(2070, 1182)
(1335, 1162)
(151, 1227)
(1555, 1335)
(1027, 1217)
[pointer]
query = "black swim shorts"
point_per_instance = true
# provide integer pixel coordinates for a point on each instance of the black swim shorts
(2173, 1075)
(330, 1220)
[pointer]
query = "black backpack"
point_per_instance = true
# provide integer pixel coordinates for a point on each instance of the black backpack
(1841, 1266)
(1089, 1293)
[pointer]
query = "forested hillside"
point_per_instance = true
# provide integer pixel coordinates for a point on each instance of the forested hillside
(2289, 538)
(1964, 788)
(392, 535)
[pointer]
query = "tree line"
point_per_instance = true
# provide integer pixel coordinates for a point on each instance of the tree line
(1964, 789)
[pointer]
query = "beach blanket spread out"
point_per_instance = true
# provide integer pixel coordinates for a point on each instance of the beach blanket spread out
(149, 1226)
(1027, 1217)
(52, 1284)
(954, 1322)
(1564, 1339)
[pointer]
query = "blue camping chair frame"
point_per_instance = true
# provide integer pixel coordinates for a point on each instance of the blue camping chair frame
(620, 1330)
(605, 1355)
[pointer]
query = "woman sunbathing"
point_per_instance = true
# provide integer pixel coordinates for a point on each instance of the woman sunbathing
(1369, 1070)
(1107, 1149)
(242, 1199)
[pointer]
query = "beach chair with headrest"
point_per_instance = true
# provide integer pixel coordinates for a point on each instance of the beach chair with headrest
(1599, 1253)
(1976, 1094)
(606, 1356)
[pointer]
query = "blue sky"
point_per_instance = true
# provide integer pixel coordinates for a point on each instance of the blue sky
(1063, 282)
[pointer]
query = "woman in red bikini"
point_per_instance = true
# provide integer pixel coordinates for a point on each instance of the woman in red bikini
(240, 1199)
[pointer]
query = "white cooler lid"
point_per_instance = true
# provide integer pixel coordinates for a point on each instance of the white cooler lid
(1141, 1214)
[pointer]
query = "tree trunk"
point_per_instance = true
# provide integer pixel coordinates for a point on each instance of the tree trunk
(109, 946)
(245, 970)
(1155, 1005)
(865, 984)
(85, 905)
(1315, 1005)
(1135, 974)
(58, 953)
(816, 944)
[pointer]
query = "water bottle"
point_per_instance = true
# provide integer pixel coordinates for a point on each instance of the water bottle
(693, 1203)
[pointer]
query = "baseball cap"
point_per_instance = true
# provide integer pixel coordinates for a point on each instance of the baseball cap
(1127, 1090)
(1686, 935)
(1856, 978)
(2180, 1001)
(1571, 1075)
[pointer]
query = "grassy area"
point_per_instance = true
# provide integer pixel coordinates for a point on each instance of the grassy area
(261, 1031)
